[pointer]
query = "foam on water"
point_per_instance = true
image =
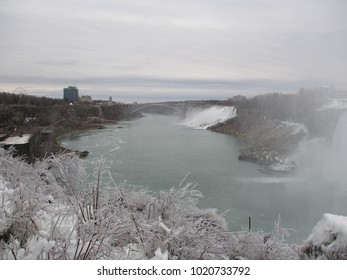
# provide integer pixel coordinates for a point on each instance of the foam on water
(202, 118)
(263, 180)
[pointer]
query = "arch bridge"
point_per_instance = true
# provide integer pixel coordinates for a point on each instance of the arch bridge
(178, 107)
(20, 89)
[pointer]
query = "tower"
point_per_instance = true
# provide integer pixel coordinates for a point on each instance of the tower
(71, 94)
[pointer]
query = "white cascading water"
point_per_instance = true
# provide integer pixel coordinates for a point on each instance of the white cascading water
(326, 165)
(339, 146)
(339, 150)
(202, 118)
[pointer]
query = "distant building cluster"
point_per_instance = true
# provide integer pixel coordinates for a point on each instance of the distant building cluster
(71, 96)
(86, 99)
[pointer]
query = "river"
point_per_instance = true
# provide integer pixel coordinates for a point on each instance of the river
(157, 152)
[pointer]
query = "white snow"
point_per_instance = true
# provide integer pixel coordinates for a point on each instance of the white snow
(17, 140)
(295, 127)
(159, 255)
(6, 207)
(37, 246)
(330, 233)
(334, 104)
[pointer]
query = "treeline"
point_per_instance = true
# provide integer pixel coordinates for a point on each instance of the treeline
(23, 99)
(301, 107)
(285, 107)
(21, 113)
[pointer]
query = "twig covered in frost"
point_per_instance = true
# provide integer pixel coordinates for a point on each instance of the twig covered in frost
(54, 210)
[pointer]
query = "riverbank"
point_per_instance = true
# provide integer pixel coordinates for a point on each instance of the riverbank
(48, 120)
(46, 140)
(51, 143)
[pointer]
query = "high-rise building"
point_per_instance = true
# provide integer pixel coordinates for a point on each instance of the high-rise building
(71, 94)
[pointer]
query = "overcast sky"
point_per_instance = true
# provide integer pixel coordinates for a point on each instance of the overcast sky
(169, 50)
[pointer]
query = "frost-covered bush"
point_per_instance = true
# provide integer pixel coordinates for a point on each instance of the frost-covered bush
(54, 210)
(182, 230)
(24, 194)
(27, 207)
(260, 245)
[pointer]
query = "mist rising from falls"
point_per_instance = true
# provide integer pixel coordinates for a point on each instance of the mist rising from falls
(325, 164)
(339, 145)
(202, 118)
(339, 151)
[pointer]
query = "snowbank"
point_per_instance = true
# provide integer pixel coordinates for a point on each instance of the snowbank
(328, 237)
(17, 140)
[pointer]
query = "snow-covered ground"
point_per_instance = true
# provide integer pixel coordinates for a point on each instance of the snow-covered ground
(295, 127)
(330, 232)
(329, 236)
(17, 140)
(334, 104)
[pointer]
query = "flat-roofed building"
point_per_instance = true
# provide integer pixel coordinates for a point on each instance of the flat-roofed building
(71, 94)
(86, 99)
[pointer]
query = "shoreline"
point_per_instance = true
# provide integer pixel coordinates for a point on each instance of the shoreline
(51, 137)
(275, 142)
(82, 128)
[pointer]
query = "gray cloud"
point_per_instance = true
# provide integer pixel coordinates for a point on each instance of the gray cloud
(199, 45)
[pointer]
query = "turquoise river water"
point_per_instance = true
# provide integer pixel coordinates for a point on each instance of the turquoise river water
(159, 151)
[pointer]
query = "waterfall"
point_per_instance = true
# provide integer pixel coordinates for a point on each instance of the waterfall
(339, 145)
(338, 155)
(325, 165)
(202, 118)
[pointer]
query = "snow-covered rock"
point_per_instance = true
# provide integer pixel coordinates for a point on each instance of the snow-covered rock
(328, 236)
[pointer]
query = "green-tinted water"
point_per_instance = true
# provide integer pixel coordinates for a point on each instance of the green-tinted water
(158, 152)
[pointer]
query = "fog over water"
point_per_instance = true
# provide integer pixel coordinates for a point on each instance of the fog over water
(324, 164)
